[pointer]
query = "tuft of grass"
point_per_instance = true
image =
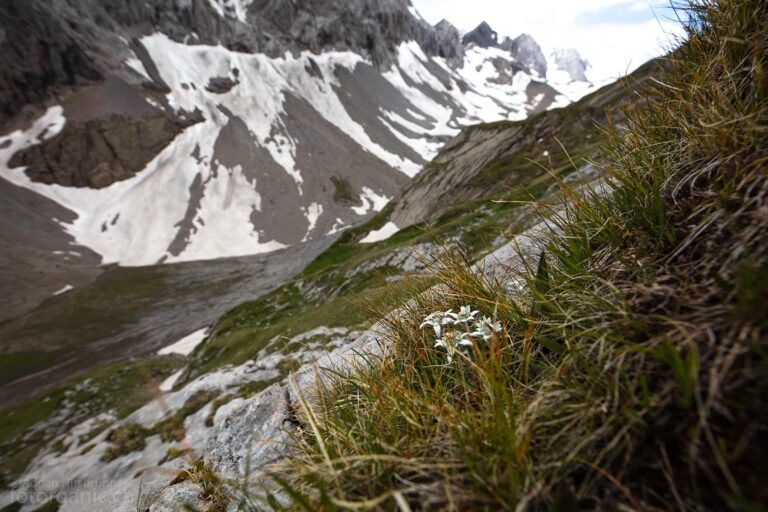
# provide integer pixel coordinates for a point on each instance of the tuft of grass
(342, 190)
(632, 372)
(213, 489)
(125, 439)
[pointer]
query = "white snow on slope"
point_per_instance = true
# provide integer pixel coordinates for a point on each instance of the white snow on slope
(65, 289)
(370, 201)
(312, 213)
(168, 383)
(135, 222)
(384, 232)
(46, 126)
(185, 345)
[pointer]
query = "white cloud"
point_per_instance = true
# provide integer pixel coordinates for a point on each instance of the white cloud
(613, 35)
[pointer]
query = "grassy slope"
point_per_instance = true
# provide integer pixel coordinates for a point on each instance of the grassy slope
(633, 374)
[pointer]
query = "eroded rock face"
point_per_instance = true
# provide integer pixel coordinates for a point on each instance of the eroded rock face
(220, 85)
(97, 153)
(506, 70)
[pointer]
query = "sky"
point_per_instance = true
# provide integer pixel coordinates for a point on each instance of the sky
(615, 36)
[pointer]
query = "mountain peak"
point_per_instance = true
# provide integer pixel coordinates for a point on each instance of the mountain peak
(570, 61)
(527, 52)
(444, 24)
(483, 36)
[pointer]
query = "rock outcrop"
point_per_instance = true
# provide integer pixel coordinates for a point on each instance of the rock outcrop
(525, 51)
(98, 153)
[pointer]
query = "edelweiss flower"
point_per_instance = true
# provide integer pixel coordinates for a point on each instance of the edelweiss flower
(444, 346)
(434, 321)
(466, 315)
(459, 332)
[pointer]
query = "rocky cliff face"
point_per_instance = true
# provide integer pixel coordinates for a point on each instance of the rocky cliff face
(448, 43)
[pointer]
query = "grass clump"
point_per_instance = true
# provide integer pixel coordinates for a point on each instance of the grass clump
(632, 372)
(342, 190)
(125, 439)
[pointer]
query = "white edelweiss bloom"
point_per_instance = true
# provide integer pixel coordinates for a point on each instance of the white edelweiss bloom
(467, 311)
(487, 322)
(445, 347)
(449, 318)
(466, 315)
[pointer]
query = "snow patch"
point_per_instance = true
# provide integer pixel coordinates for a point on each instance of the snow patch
(312, 213)
(135, 64)
(168, 383)
(386, 231)
(338, 225)
(185, 345)
(231, 8)
(370, 200)
(46, 126)
(64, 290)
